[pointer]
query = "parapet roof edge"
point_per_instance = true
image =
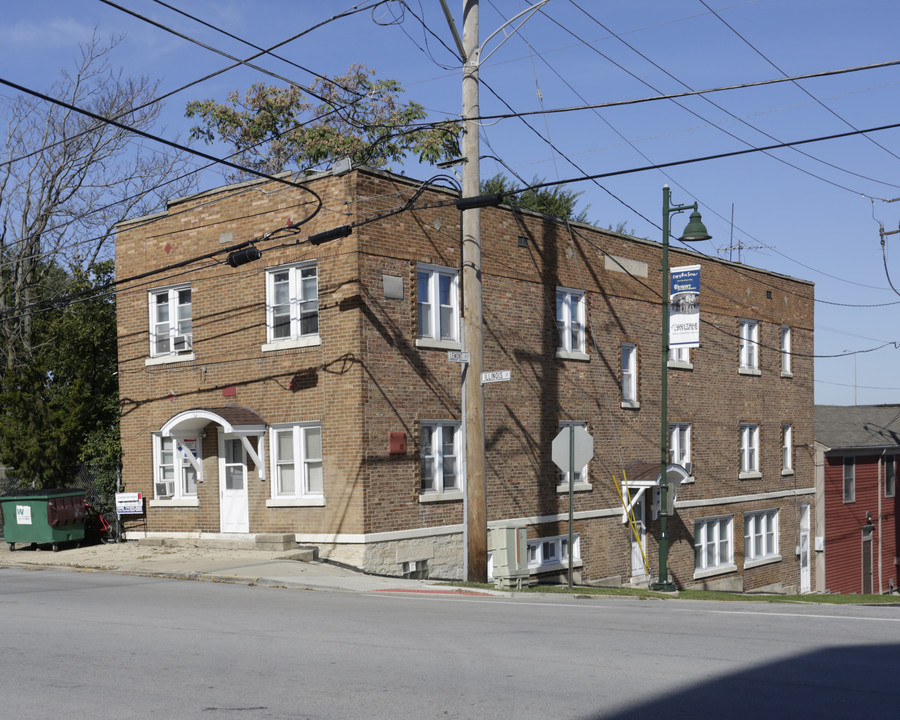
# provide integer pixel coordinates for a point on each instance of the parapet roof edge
(395, 177)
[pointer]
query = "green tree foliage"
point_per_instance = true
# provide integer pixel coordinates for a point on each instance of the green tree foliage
(555, 201)
(272, 129)
(60, 410)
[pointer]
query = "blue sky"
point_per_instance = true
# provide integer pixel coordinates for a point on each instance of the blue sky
(812, 212)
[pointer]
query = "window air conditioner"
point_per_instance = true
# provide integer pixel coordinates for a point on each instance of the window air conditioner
(183, 343)
(165, 489)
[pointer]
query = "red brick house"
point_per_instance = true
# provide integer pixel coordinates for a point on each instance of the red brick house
(857, 533)
(308, 391)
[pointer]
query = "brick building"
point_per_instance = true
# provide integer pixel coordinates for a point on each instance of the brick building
(857, 531)
(309, 391)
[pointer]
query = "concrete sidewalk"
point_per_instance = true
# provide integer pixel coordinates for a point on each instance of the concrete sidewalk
(284, 568)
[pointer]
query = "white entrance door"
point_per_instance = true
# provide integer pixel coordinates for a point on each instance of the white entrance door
(234, 515)
(639, 543)
(804, 549)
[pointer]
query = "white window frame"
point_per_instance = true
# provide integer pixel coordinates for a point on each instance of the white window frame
(749, 463)
(570, 324)
(680, 445)
(680, 357)
(787, 449)
(177, 333)
(849, 479)
(713, 553)
(748, 333)
(443, 319)
(300, 308)
(761, 537)
(581, 474)
(433, 487)
(890, 476)
(629, 372)
(786, 351)
(551, 553)
(305, 463)
(184, 493)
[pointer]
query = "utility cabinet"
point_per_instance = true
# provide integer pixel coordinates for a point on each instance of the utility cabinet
(509, 547)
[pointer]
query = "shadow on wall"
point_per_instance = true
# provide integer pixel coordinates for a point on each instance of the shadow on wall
(855, 681)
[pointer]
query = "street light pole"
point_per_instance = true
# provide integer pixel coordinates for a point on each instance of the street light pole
(693, 232)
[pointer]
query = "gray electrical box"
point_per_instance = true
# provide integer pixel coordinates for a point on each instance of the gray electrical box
(509, 548)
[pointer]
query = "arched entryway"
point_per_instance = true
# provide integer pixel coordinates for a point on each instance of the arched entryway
(237, 426)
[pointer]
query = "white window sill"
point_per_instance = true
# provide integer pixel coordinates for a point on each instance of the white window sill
(754, 475)
(432, 344)
(787, 374)
(718, 570)
(296, 502)
(680, 365)
(563, 488)
(175, 503)
(762, 561)
(291, 343)
(787, 471)
(554, 567)
(433, 497)
(171, 358)
(630, 405)
(572, 355)
(749, 371)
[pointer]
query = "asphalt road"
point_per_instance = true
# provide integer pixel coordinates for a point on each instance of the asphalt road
(93, 645)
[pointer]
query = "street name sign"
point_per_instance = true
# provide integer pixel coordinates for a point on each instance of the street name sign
(495, 376)
(460, 356)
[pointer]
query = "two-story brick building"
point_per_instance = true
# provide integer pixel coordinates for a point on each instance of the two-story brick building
(308, 391)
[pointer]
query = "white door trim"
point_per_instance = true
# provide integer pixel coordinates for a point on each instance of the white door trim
(234, 507)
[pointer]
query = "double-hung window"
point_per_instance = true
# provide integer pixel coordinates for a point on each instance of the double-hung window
(849, 479)
(787, 449)
(292, 305)
(679, 356)
(171, 328)
(786, 351)
(680, 445)
(629, 375)
(749, 449)
(437, 292)
(714, 544)
(748, 333)
(570, 315)
(890, 479)
(761, 536)
(174, 475)
(440, 442)
(297, 477)
(581, 476)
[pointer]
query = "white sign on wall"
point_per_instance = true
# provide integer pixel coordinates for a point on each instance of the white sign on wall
(23, 514)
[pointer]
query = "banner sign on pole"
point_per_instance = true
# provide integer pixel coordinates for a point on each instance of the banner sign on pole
(684, 309)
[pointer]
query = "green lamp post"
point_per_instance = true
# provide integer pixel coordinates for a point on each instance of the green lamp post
(694, 232)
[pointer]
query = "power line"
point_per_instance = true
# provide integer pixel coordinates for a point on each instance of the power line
(717, 156)
(164, 141)
(676, 96)
(803, 89)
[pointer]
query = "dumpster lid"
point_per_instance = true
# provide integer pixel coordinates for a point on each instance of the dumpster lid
(43, 493)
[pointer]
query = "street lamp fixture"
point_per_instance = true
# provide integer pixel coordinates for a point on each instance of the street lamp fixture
(694, 232)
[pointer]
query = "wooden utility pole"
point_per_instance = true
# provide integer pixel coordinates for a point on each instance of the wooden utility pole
(473, 393)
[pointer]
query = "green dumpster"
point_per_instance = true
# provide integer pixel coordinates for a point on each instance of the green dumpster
(43, 517)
